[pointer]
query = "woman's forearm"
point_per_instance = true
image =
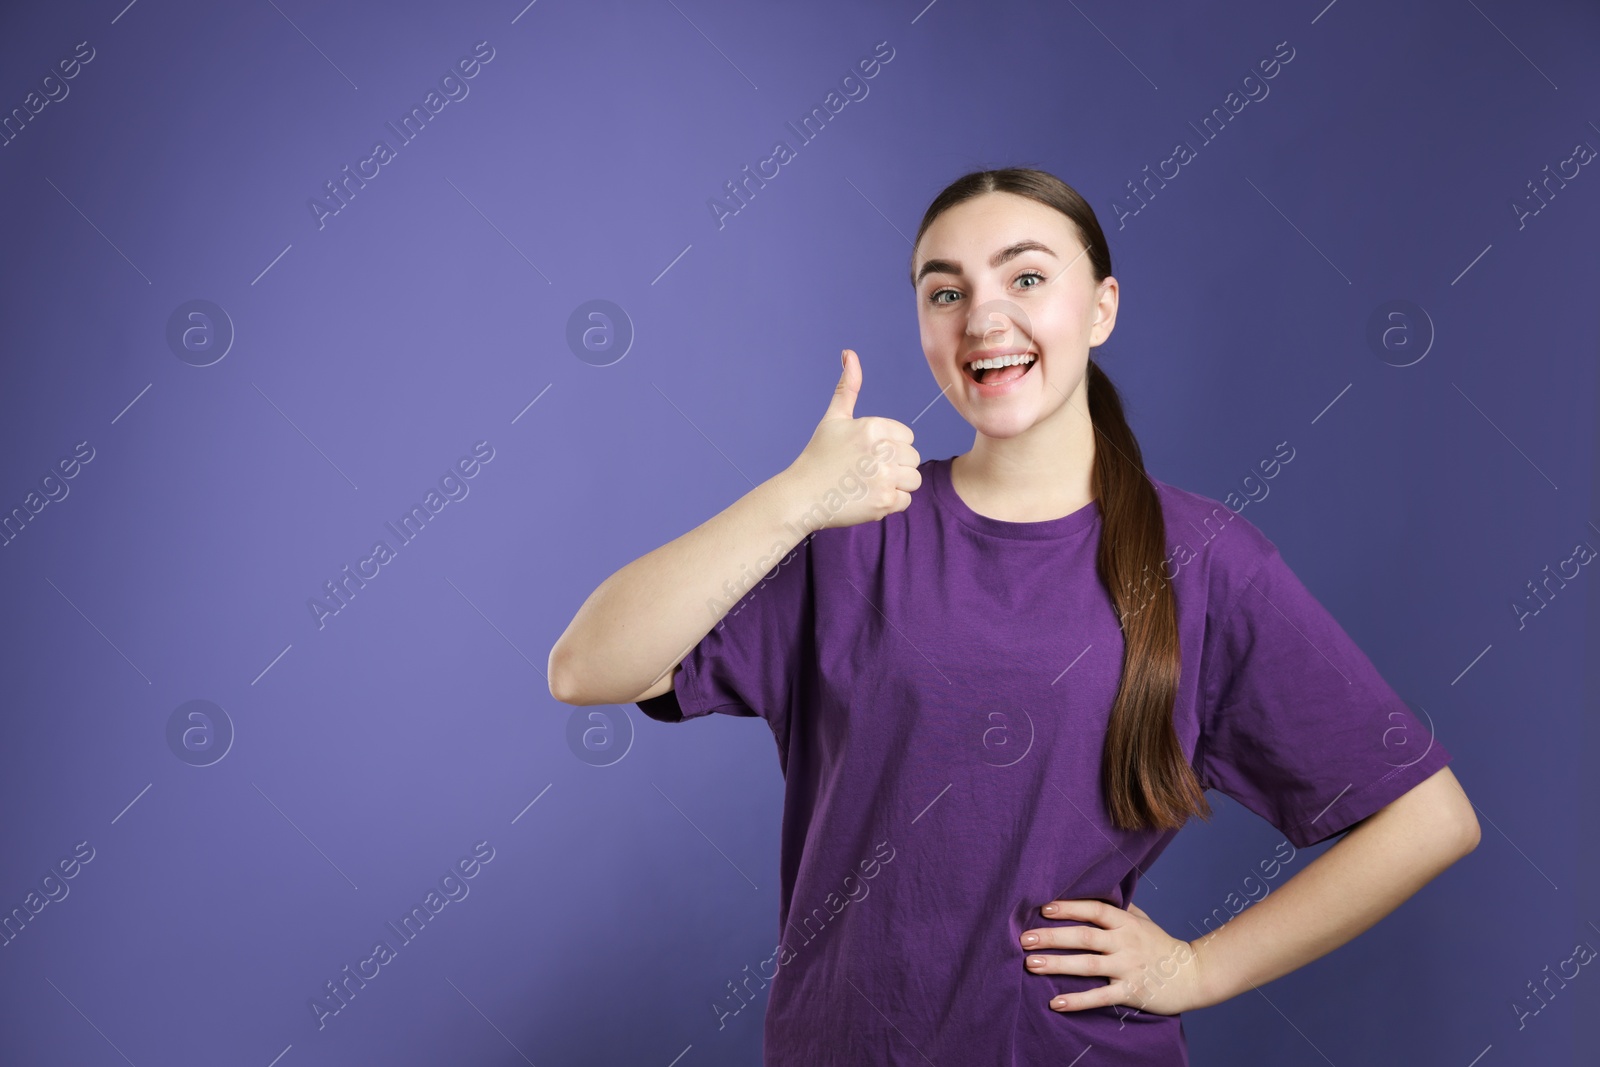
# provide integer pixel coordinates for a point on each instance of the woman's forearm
(645, 617)
(1361, 878)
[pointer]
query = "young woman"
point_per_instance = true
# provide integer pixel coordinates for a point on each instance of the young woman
(1000, 683)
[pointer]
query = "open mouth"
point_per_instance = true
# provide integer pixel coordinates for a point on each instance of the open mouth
(1012, 368)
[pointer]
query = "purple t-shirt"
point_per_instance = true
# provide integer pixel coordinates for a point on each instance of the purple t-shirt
(939, 683)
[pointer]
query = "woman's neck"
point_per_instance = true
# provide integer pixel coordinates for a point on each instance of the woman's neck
(1003, 484)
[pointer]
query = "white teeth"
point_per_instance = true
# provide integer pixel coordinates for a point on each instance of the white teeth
(1001, 361)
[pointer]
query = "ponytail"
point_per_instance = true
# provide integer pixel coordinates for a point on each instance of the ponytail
(1146, 782)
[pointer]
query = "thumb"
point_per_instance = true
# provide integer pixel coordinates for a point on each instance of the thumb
(843, 404)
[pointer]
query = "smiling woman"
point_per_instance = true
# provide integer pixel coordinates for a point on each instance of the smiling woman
(1012, 580)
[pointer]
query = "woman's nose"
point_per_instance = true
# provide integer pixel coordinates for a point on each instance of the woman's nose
(995, 323)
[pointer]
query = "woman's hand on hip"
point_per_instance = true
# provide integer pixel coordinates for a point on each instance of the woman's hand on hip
(1143, 965)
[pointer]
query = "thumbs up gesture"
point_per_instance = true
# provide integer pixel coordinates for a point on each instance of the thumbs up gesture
(868, 462)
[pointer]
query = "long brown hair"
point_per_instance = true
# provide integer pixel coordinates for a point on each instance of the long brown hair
(1146, 781)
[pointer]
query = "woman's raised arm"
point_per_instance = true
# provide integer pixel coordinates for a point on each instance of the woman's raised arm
(629, 636)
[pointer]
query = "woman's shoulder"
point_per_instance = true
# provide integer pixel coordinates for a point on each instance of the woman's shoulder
(1218, 546)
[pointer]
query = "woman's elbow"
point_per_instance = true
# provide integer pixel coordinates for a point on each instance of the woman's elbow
(1471, 832)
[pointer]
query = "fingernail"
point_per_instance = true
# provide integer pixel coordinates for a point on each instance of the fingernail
(1049, 909)
(1035, 961)
(1028, 939)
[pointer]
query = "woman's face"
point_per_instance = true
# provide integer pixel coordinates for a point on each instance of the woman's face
(1002, 273)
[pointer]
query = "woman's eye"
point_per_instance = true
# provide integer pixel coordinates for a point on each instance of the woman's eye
(933, 297)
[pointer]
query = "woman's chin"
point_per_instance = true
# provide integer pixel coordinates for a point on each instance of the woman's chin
(1000, 424)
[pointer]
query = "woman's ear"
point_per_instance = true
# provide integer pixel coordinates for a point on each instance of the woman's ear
(1105, 312)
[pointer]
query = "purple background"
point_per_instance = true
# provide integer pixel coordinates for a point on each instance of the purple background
(371, 352)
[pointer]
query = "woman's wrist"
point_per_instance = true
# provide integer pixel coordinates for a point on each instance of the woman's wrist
(1207, 990)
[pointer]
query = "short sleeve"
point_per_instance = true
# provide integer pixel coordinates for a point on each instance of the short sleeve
(752, 660)
(1297, 724)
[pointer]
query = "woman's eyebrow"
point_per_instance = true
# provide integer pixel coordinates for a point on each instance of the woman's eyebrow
(948, 266)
